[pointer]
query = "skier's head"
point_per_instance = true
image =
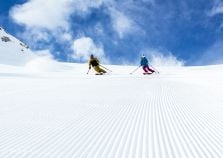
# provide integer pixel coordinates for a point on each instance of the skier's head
(143, 56)
(92, 56)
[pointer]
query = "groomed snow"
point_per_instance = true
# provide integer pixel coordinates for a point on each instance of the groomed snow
(65, 113)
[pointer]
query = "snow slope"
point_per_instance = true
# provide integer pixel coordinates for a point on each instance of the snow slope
(68, 114)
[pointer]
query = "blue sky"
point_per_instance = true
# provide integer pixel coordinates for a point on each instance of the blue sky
(119, 31)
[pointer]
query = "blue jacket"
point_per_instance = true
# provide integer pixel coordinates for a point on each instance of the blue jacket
(144, 62)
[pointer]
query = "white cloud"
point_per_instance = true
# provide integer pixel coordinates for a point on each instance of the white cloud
(51, 14)
(85, 46)
(35, 35)
(42, 16)
(157, 58)
(44, 19)
(84, 6)
(48, 14)
(66, 37)
(217, 9)
(121, 23)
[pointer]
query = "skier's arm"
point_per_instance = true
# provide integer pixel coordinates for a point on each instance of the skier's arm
(141, 63)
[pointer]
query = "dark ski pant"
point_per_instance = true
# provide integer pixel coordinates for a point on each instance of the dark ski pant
(147, 69)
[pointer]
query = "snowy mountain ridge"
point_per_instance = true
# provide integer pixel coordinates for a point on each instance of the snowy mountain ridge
(13, 51)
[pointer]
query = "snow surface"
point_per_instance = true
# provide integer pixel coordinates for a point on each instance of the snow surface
(64, 113)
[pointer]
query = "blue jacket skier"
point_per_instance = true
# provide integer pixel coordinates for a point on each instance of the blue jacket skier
(145, 65)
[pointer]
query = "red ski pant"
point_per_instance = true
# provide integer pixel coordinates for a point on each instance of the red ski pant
(147, 69)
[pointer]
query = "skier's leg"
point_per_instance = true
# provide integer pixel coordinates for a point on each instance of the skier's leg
(102, 70)
(149, 69)
(145, 69)
(97, 69)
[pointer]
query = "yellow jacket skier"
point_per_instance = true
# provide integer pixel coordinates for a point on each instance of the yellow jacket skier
(94, 62)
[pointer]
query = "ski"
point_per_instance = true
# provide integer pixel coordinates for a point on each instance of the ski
(146, 73)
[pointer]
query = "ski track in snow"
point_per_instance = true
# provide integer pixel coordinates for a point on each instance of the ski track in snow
(117, 116)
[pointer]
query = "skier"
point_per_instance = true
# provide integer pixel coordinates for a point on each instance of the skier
(94, 62)
(145, 65)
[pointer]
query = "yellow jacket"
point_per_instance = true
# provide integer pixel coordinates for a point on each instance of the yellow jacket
(93, 62)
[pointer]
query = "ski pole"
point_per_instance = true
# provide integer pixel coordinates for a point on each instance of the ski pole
(135, 70)
(105, 68)
(88, 71)
(155, 69)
